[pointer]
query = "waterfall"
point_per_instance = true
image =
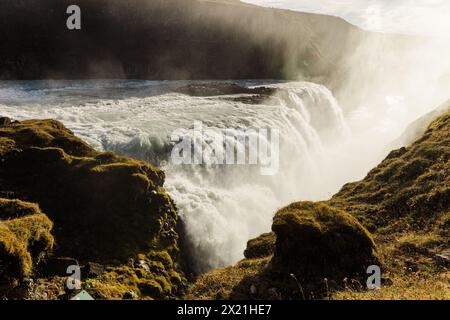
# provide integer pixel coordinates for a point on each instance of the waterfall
(222, 206)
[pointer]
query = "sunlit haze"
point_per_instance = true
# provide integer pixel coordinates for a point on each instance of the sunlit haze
(430, 17)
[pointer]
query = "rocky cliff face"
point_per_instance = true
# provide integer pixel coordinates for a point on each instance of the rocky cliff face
(168, 39)
(318, 249)
(89, 206)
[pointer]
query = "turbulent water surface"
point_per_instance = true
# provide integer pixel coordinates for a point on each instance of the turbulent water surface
(223, 206)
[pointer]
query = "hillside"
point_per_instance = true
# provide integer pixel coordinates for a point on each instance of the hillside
(403, 204)
(168, 39)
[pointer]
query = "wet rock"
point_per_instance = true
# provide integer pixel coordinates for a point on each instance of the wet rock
(218, 89)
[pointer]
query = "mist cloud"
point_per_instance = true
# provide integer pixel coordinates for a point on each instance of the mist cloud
(425, 17)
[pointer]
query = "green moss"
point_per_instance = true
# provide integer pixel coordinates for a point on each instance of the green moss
(313, 246)
(410, 182)
(260, 247)
(45, 133)
(153, 281)
(105, 209)
(10, 209)
(227, 283)
(25, 240)
(327, 242)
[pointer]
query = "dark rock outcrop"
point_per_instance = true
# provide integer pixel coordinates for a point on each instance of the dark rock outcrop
(231, 92)
(218, 89)
(104, 209)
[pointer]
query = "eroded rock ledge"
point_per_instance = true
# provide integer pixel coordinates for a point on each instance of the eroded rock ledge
(61, 198)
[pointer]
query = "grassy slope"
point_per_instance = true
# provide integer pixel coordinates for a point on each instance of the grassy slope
(405, 202)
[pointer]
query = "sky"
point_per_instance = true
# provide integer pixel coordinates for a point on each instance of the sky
(429, 17)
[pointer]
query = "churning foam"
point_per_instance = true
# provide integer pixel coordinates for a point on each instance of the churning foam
(222, 206)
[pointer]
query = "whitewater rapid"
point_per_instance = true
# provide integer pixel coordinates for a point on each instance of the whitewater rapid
(222, 206)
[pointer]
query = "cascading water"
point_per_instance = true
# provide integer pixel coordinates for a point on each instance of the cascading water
(222, 206)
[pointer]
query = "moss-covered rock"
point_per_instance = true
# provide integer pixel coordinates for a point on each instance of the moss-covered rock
(105, 208)
(151, 276)
(260, 247)
(314, 240)
(25, 238)
(313, 247)
(45, 133)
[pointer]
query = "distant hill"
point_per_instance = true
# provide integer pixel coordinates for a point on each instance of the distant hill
(168, 39)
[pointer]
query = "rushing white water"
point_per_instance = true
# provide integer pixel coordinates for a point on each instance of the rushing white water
(222, 206)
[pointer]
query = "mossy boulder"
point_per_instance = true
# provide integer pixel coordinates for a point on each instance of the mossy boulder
(105, 208)
(314, 240)
(313, 249)
(25, 238)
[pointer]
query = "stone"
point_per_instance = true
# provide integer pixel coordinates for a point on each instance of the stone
(317, 241)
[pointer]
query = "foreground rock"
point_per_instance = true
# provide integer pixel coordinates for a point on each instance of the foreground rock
(105, 209)
(315, 240)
